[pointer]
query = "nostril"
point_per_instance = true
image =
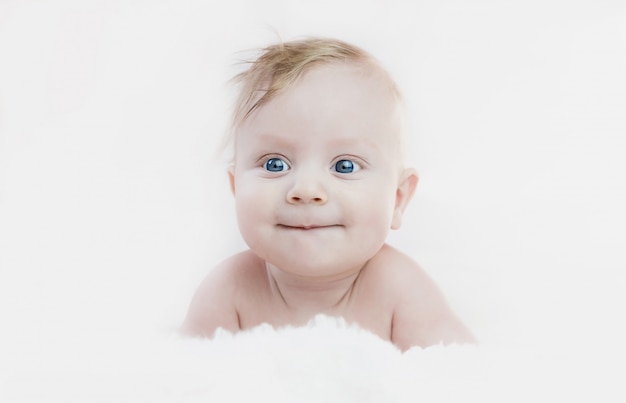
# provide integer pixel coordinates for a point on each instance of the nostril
(296, 198)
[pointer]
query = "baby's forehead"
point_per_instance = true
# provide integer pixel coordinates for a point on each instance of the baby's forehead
(351, 103)
(359, 88)
(275, 80)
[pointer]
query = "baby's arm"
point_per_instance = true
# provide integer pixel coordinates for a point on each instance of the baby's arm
(213, 304)
(422, 316)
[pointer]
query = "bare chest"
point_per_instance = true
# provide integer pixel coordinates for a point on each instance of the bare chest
(368, 310)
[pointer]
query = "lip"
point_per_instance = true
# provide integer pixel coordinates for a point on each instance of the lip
(307, 227)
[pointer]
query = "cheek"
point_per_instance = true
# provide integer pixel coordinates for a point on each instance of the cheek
(373, 206)
(251, 209)
(254, 200)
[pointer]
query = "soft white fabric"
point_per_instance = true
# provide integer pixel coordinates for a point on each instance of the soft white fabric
(326, 361)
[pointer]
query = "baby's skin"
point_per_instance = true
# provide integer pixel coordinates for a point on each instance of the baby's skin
(319, 180)
(391, 297)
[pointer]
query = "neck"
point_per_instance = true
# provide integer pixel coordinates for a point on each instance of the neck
(311, 295)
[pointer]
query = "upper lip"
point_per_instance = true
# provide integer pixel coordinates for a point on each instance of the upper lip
(307, 226)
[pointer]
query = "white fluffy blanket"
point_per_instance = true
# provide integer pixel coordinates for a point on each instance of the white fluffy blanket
(326, 361)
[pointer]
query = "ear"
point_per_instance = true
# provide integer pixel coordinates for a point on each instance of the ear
(406, 188)
(231, 178)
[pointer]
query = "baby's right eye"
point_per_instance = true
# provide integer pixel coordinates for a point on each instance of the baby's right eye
(275, 165)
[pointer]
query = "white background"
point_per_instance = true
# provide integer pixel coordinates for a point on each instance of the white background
(113, 205)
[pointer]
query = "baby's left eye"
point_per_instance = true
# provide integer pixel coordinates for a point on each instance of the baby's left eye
(346, 166)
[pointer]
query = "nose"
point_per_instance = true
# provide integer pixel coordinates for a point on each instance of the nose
(307, 189)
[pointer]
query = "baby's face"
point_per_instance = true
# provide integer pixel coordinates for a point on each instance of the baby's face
(316, 172)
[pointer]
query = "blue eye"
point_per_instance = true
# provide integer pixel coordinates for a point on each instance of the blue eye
(346, 167)
(275, 165)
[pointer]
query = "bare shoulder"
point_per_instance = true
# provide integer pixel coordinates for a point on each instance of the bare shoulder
(399, 274)
(214, 304)
(421, 314)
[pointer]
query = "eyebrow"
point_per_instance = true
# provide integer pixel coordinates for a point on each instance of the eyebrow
(286, 142)
(264, 137)
(360, 141)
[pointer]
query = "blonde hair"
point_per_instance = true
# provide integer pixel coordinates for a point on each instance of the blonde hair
(279, 66)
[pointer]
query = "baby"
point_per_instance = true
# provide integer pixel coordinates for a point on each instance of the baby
(319, 179)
